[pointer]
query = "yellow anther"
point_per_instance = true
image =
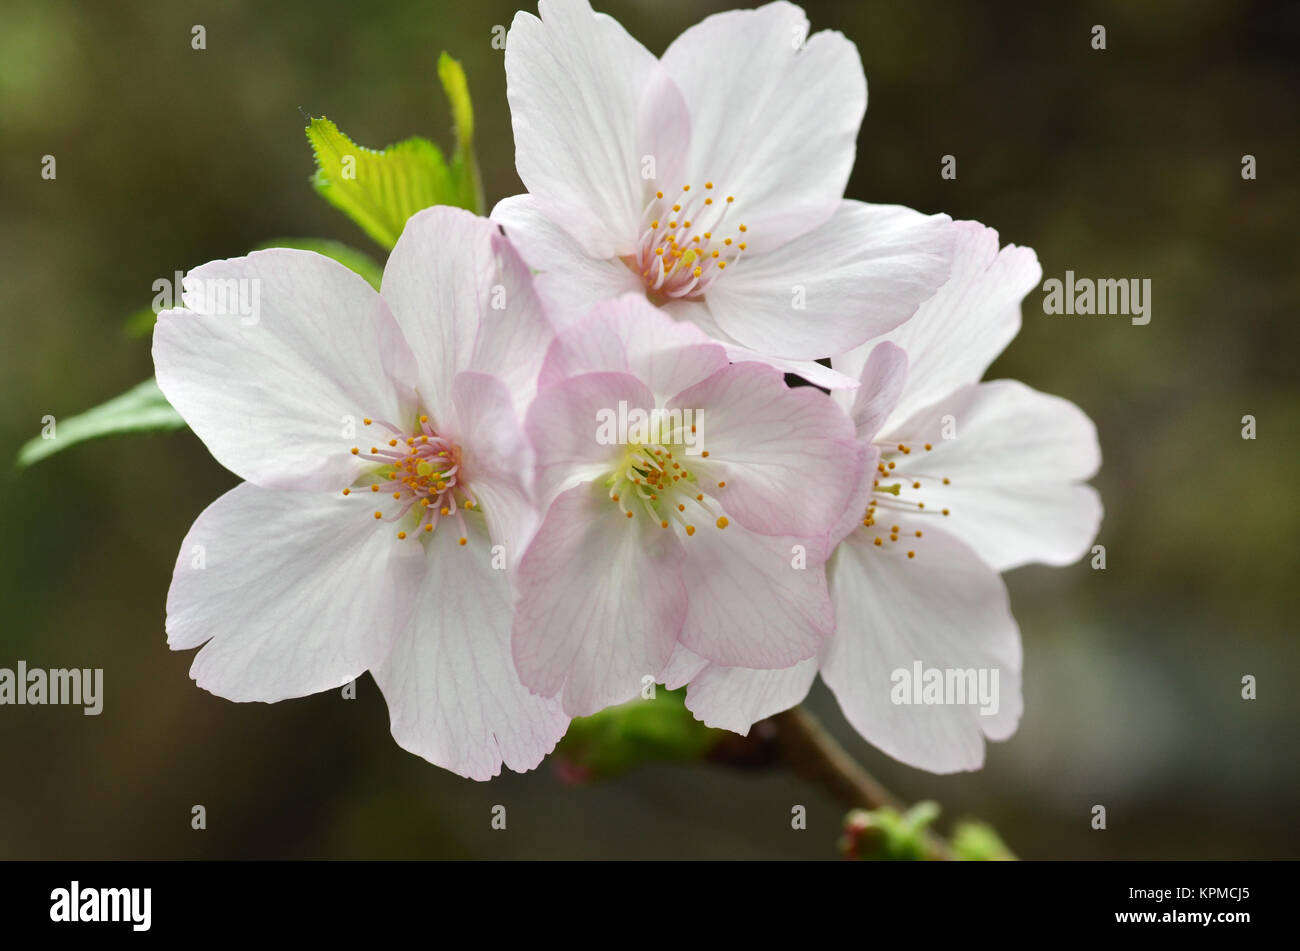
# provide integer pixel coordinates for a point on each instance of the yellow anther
(722, 521)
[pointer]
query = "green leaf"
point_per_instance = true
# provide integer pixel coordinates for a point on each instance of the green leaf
(378, 190)
(140, 409)
(642, 731)
(348, 256)
(464, 166)
(456, 87)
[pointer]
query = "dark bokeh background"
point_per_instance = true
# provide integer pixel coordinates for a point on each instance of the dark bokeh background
(1122, 163)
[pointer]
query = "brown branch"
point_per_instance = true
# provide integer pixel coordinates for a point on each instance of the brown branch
(812, 753)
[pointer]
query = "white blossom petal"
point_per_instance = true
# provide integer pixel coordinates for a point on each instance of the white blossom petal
(294, 592)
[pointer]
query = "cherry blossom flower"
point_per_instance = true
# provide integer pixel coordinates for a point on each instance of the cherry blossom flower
(709, 535)
(711, 181)
(967, 479)
(387, 484)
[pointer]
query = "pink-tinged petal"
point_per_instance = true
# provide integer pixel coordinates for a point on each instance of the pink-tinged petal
(810, 370)
(600, 605)
(735, 698)
(857, 276)
(1012, 472)
(787, 457)
(516, 329)
(755, 600)
(697, 312)
(957, 333)
(497, 460)
(682, 666)
(664, 133)
(564, 428)
(572, 280)
(277, 389)
(855, 510)
(453, 695)
(465, 301)
(945, 609)
(294, 592)
(629, 335)
(773, 124)
(576, 80)
(880, 385)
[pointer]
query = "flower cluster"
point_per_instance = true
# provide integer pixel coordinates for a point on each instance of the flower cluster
(557, 456)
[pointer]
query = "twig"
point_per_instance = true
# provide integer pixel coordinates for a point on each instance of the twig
(814, 754)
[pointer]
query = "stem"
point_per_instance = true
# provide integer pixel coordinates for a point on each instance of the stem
(814, 754)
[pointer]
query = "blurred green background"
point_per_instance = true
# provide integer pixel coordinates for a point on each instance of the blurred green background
(1122, 163)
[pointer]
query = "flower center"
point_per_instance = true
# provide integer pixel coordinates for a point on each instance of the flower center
(421, 471)
(904, 495)
(651, 480)
(683, 249)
